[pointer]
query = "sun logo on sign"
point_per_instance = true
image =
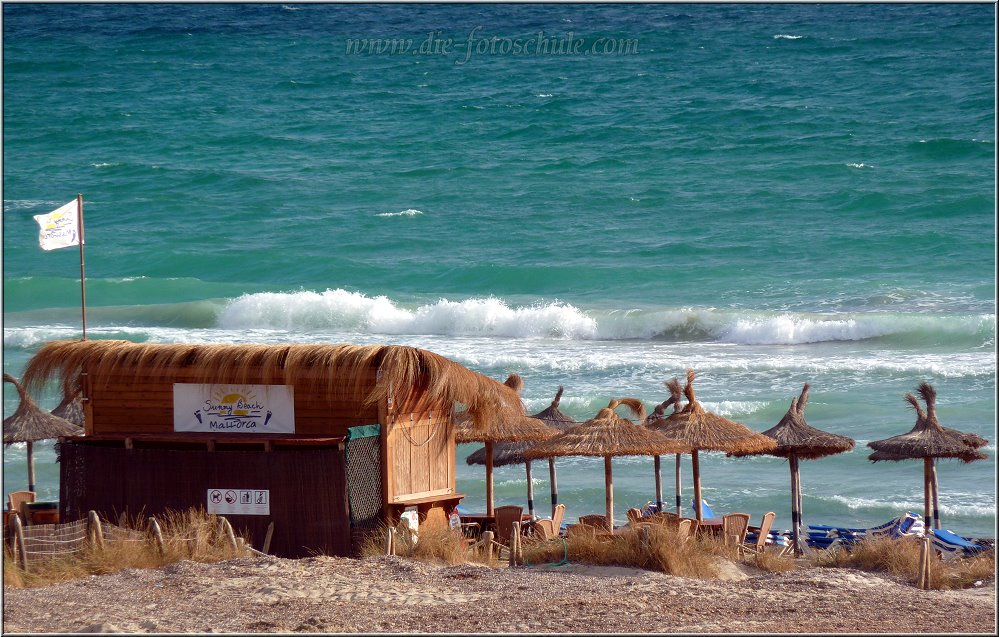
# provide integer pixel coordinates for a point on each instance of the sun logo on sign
(234, 401)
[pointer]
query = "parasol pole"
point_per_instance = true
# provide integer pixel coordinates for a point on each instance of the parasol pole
(530, 490)
(795, 513)
(489, 477)
(659, 483)
(554, 483)
(927, 488)
(679, 488)
(83, 278)
(936, 495)
(609, 492)
(31, 467)
(696, 467)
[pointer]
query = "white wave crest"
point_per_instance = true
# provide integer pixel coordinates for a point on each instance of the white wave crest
(340, 309)
(785, 36)
(860, 165)
(409, 212)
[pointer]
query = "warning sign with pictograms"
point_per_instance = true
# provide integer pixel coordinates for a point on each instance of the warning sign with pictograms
(239, 501)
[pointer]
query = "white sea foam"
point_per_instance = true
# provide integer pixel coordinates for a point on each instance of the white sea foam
(409, 212)
(785, 36)
(860, 165)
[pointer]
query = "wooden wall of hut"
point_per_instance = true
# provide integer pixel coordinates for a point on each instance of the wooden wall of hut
(418, 449)
(138, 401)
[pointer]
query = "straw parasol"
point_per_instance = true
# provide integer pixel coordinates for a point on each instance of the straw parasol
(704, 430)
(659, 414)
(796, 439)
(30, 423)
(511, 428)
(607, 435)
(71, 406)
(928, 440)
(507, 453)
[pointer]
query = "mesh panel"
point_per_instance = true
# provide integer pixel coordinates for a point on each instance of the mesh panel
(364, 481)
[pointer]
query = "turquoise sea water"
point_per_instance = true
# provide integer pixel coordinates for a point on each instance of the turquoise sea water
(769, 194)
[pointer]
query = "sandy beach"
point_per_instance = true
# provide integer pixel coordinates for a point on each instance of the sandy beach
(395, 595)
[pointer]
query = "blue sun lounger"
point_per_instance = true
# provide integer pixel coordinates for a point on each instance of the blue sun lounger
(952, 545)
(825, 536)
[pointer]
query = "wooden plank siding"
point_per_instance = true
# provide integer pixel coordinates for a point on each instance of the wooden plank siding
(419, 447)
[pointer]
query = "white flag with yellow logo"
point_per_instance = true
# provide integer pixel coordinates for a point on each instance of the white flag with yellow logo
(59, 228)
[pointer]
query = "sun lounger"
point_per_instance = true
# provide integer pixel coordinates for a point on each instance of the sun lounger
(706, 511)
(952, 545)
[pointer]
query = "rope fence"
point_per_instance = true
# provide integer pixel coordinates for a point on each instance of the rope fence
(40, 542)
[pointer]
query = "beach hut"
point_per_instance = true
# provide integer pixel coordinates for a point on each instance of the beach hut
(706, 431)
(657, 416)
(512, 428)
(796, 439)
(507, 453)
(928, 440)
(30, 423)
(325, 440)
(608, 435)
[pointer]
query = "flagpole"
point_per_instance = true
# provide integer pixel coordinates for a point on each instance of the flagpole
(83, 285)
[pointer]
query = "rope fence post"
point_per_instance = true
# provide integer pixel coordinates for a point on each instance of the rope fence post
(20, 553)
(390, 541)
(267, 538)
(514, 541)
(95, 533)
(154, 528)
(227, 529)
(487, 540)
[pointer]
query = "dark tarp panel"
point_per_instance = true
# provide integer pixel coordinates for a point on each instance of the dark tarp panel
(307, 485)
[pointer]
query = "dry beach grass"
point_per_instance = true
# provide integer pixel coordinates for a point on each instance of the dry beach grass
(601, 589)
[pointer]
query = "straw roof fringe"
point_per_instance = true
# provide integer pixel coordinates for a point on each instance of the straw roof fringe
(704, 430)
(927, 439)
(608, 434)
(345, 369)
(795, 437)
(675, 399)
(29, 422)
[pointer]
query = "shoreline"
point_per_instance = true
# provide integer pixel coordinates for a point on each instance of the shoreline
(397, 595)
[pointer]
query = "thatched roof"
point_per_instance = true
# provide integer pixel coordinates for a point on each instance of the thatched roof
(608, 434)
(29, 422)
(71, 406)
(510, 427)
(507, 453)
(675, 399)
(345, 370)
(704, 430)
(795, 437)
(927, 439)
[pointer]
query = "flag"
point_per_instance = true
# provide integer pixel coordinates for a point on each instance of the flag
(59, 228)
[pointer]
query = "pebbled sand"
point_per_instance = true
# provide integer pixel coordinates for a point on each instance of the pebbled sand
(395, 595)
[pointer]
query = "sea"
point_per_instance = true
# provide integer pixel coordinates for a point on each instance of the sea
(593, 196)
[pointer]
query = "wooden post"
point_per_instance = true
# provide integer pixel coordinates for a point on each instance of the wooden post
(154, 528)
(646, 541)
(390, 541)
(530, 490)
(487, 539)
(31, 466)
(679, 488)
(695, 466)
(489, 477)
(553, 483)
(227, 529)
(609, 492)
(267, 538)
(514, 542)
(20, 552)
(83, 278)
(928, 547)
(936, 495)
(795, 513)
(927, 490)
(94, 531)
(657, 465)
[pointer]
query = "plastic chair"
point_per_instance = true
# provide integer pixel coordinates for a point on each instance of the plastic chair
(596, 521)
(734, 528)
(549, 529)
(634, 516)
(16, 501)
(505, 517)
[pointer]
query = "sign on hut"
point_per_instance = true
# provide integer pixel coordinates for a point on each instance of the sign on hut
(324, 440)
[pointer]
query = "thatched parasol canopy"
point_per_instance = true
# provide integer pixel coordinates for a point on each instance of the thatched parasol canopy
(928, 440)
(608, 435)
(30, 423)
(796, 439)
(508, 429)
(707, 431)
(346, 370)
(658, 416)
(71, 406)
